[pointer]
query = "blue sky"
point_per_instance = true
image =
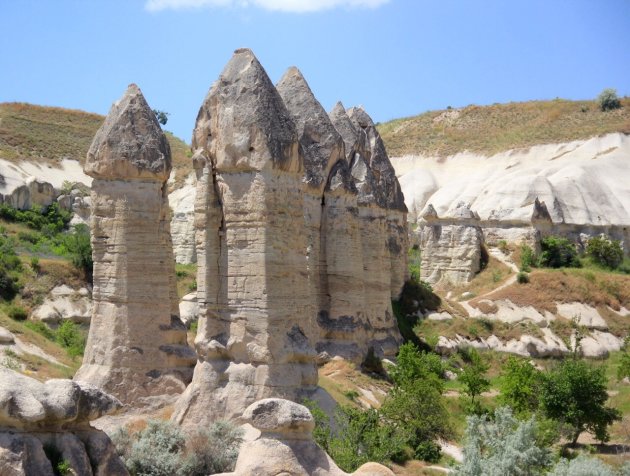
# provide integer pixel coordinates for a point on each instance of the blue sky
(396, 57)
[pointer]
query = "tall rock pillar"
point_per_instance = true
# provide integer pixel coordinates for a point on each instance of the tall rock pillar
(136, 348)
(340, 319)
(255, 304)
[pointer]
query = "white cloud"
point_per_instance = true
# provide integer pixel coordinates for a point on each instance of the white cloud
(295, 6)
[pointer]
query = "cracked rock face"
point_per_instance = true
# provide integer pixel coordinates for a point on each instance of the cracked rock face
(44, 423)
(253, 291)
(136, 347)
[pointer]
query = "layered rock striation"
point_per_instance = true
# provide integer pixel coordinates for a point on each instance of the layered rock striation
(136, 348)
(282, 244)
(44, 424)
(253, 283)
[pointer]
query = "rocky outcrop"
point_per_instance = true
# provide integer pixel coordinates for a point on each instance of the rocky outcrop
(282, 244)
(451, 246)
(253, 289)
(63, 303)
(578, 182)
(44, 424)
(285, 445)
(136, 348)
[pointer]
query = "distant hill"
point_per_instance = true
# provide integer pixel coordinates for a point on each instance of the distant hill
(500, 127)
(38, 133)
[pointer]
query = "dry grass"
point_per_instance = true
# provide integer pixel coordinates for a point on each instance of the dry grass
(50, 134)
(491, 129)
(341, 379)
(546, 287)
(489, 278)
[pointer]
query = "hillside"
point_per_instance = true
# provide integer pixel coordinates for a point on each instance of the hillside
(50, 134)
(499, 127)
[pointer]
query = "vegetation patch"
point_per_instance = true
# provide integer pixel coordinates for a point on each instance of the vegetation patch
(500, 127)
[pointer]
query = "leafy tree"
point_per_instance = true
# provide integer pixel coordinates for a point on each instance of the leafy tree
(501, 447)
(70, 336)
(520, 386)
(558, 253)
(362, 437)
(605, 251)
(575, 393)
(608, 100)
(474, 379)
(161, 116)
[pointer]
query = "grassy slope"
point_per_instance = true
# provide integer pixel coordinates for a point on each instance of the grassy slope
(491, 129)
(49, 134)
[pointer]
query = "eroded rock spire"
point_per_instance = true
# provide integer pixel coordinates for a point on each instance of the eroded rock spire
(254, 299)
(136, 347)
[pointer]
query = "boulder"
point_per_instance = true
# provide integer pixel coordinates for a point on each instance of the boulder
(285, 445)
(42, 424)
(62, 303)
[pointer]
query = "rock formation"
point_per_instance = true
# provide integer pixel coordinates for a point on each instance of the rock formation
(334, 253)
(451, 246)
(282, 244)
(383, 227)
(136, 347)
(285, 445)
(44, 424)
(577, 180)
(253, 279)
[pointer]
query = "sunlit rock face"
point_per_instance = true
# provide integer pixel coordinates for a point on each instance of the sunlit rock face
(253, 277)
(136, 347)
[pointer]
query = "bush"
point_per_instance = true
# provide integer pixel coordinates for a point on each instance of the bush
(558, 253)
(608, 100)
(17, 313)
(161, 449)
(71, 337)
(503, 447)
(40, 328)
(605, 252)
(78, 244)
(582, 465)
(522, 277)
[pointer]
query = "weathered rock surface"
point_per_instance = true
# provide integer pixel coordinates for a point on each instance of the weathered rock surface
(578, 181)
(64, 302)
(136, 347)
(182, 201)
(451, 245)
(189, 309)
(253, 293)
(42, 423)
(285, 445)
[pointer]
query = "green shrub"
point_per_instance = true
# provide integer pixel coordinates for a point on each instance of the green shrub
(414, 259)
(79, 246)
(17, 313)
(70, 336)
(35, 264)
(608, 100)
(605, 252)
(522, 277)
(558, 252)
(428, 451)
(623, 370)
